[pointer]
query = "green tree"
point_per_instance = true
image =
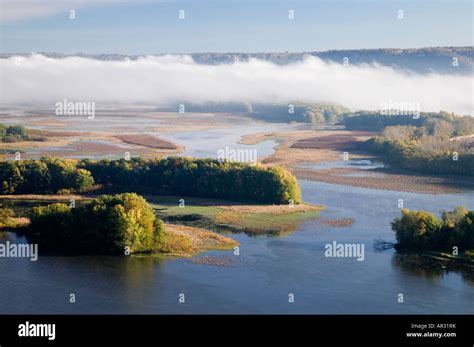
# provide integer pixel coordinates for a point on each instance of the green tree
(452, 218)
(110, 224)
(415, 229)
(13, 133)
(466, 226)
(5, 215)
(423, 231)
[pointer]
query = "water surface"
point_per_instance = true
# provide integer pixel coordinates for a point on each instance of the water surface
(261, 277)
(267, 270)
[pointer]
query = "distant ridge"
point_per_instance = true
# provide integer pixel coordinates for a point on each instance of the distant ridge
(420, 60)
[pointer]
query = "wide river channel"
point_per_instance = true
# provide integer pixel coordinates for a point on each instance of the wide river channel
(267, 270)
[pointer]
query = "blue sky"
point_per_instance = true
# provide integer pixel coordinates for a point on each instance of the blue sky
(149, 26)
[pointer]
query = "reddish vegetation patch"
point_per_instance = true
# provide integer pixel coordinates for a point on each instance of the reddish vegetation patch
(61, 133)
(95, 147)
(390, 180)
(338, 223)
(147, 141)
(346, 141)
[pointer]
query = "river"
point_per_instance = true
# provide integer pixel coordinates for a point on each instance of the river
(264, 274)
(261, 277)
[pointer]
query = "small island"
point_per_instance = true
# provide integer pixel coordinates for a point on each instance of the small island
(74, 207)
(449, 238)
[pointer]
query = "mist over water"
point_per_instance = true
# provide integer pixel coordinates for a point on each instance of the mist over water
(161, 80)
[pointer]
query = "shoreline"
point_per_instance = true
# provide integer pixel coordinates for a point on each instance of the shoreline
(187, 242)
(327, 146)
(389, 180)
(192, 228)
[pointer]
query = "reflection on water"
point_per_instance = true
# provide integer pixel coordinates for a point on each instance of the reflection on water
(427, 267)
(7, 236)
(268, 268)
(359, 164)
(105, 284)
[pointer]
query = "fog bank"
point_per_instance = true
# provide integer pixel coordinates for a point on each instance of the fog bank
(170, 79)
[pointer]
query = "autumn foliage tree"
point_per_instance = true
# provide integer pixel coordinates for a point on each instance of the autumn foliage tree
(420, 230)
(109, 224)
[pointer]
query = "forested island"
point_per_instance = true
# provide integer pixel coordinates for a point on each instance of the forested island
(121, 224)
(109, 224)
(122, 221)
(433, 144)
(171, 176)
(422, 231)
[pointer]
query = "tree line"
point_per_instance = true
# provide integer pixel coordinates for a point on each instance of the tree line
(170, 176)
(434, 143)
(44, 176)
(377, 121)
(420, 230)
(290, 112)
(412, 156)
(197, 177)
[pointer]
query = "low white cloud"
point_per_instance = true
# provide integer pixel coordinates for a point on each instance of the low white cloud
(174, 79)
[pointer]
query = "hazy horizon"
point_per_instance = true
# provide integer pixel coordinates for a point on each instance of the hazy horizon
(236, 52)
